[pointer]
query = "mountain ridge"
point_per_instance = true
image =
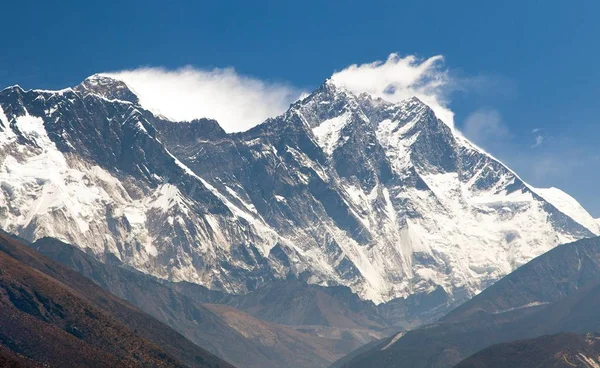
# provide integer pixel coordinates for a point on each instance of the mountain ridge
(350, 204)
(558, 351)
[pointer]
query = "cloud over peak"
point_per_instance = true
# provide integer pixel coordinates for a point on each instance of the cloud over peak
(240, 102)
(236, 101)
(399, 78)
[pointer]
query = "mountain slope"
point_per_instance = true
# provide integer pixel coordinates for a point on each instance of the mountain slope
(553, 293)
(546, 279)
(295, 303)
(340, 190)
(568, 205)
(52, 316)
(287, 346)
(558, 351)
(193, 320)
(10, 359)
(201, 325)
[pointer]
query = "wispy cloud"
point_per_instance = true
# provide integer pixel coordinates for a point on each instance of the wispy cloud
(399, 78)
(240, 102)
(486, 128)
(236, 101)
(539, 139)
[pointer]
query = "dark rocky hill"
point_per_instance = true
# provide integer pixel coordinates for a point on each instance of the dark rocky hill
(566, 350)
(52, 316)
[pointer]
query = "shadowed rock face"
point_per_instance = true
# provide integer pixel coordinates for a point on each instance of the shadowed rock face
(341, 190)
(556, 292)
(556, 351)
(52, 316)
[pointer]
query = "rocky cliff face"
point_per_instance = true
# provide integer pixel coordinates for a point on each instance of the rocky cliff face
(340, 190)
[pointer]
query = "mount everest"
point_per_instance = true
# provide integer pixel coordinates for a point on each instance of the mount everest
(342, 189)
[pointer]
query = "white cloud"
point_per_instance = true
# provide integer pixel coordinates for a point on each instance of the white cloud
(485, 127)
(237, 102)
(399, 78)
(240, 102)
(538, 137)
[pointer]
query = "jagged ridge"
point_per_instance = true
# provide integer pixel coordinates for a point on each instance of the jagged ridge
(340, 190)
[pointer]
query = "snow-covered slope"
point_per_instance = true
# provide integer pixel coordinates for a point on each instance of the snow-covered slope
(569, 206)
(340, 190)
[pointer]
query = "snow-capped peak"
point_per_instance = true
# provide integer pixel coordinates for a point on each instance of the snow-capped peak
(107, 87)
(397, 125)
(335, 114)
(341, 189)
(13, 87)
(366, 137)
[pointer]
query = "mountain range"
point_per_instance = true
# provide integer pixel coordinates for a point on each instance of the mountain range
(340, 190)
(554, 293)
(317, 233)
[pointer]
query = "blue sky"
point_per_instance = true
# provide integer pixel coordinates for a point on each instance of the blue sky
(524, 76)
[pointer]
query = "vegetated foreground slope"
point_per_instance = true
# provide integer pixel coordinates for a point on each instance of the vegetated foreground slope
(556, 292)
(55, 317)
(10, 359)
